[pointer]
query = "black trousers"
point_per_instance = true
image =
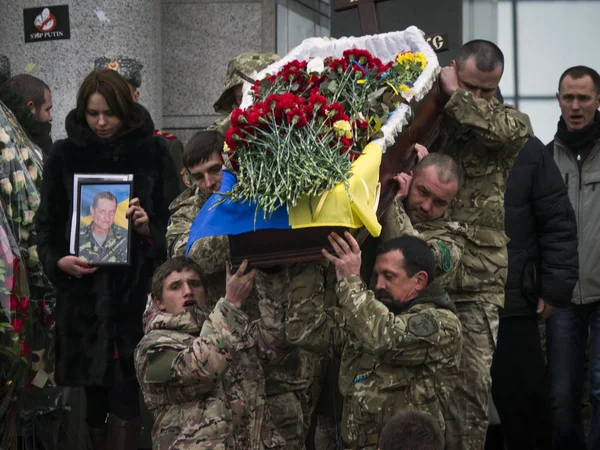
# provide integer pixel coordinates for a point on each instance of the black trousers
(121, 400)
(518, 385)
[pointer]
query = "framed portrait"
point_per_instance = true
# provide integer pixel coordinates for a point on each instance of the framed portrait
(103, 233)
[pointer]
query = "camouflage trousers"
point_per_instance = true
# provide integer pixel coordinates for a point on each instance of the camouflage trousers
(290, 413)
(467, 411)
(292, 392)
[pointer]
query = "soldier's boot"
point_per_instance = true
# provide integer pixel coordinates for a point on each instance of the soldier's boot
(123, 434)
(98, 436)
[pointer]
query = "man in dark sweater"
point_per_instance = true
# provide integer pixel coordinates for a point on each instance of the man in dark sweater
(542, 273)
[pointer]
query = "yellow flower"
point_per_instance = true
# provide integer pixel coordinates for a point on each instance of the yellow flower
(421, 59)
(343, 128)
(361, 81)
(405, 58)
(226, 148)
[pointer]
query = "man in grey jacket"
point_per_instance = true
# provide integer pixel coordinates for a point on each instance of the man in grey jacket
(576, 150)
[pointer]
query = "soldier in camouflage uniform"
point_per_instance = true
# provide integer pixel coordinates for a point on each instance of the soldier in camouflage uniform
(291, 387)
(399, 352)
(103, 241)
(241, 69)
(202, 369)
(484, 137)
(131, 70)
(419, 209)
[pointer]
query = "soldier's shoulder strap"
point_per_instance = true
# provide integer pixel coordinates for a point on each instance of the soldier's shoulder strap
(169, 136)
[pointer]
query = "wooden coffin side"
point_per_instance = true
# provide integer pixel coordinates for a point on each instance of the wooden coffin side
(265, 248)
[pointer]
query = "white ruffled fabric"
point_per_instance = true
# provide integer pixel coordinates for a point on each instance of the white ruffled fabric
(383, 46)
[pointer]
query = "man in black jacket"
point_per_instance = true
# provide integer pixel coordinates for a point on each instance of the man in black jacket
(542, 273)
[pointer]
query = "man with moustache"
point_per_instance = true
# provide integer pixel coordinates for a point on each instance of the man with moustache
(399, 345)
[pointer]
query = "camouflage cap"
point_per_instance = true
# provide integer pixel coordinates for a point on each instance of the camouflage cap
(242, 68)
(4, 66)
(128, 68)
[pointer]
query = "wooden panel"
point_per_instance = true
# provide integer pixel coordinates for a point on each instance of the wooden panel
(265, 248)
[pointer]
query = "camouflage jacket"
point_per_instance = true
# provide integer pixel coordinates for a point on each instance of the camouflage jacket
(389, 362)
(221, 125)
(484, 138)
(241, 69)
(202, 376)
(446, 239)
(113, 250)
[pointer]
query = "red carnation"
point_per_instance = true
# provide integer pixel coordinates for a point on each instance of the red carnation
(17, 325)
(335, 112)
(338, 65)
(14, 303)
(360, 124)
(296, 118)
(287, 101)
(24, 303)
(232, 137)
(48, 319)
(238, 118)
(346, 142)
(25, 350)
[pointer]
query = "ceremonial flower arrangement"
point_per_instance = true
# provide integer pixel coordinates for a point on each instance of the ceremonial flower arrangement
(26, 297)
(309, 121)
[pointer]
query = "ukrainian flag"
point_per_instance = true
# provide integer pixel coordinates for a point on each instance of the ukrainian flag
(332, 209)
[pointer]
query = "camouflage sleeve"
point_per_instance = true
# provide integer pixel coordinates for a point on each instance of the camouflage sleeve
(448, 251)
(396, 222)
(445, 239)
(310, 325)
(221, 125)
(181, 222)
(206, 359)
(414, 338)
(497, 126)
(273, 291)
(210, 253)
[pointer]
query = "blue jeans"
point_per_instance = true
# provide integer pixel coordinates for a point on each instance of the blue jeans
(567, 334)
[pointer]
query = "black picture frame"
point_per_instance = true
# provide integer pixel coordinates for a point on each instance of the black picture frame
(97, 253)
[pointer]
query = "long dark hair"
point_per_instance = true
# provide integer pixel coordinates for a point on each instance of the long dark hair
(115, 90)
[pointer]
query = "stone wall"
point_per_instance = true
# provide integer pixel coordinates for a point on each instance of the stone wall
(199, 37)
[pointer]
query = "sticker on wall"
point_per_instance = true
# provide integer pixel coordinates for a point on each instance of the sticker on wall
(46, 23)
(101, 15)
(30, 67)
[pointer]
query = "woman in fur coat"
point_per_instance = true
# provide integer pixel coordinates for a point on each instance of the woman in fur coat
(99, 309)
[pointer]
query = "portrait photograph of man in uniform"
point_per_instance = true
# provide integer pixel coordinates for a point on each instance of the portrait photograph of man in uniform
(103, 228)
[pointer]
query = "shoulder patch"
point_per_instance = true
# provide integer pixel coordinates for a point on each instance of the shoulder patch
(422, 325)
(446, 256)
(168, 136)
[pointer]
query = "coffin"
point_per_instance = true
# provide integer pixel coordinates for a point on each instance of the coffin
(266, 248)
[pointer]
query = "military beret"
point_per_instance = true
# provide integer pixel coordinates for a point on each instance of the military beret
(128, 68)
